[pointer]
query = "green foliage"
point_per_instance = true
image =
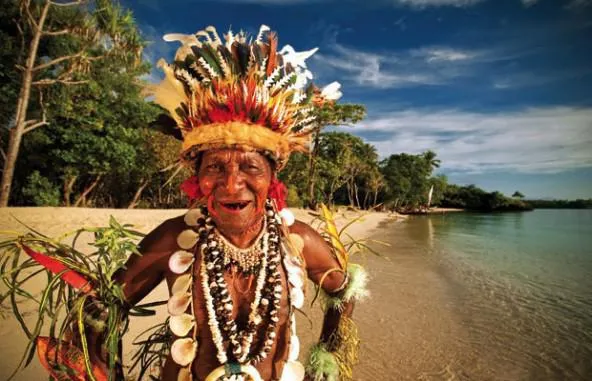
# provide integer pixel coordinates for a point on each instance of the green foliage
(561, 204)
(293, 199)
(471, 197)
(41, 191)
(96, 139)
(408, 178)
(62, 304)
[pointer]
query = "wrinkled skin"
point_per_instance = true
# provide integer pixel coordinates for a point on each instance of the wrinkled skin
(226, 177)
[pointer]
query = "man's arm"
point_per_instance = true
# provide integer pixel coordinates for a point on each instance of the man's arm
(335, 354)
(142, 273)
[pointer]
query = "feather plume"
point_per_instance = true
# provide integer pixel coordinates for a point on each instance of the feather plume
(214, 33)
(262, 30)
(203, 33)
(170, 93)
(271, 58)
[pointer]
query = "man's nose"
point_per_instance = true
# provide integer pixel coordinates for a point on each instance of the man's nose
(232, 180)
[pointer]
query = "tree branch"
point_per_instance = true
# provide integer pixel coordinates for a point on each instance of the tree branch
(57, 32)
(56, 61)
(79, 2)
(20, 29)
(46, 82)
(33, 124)
(30, 17)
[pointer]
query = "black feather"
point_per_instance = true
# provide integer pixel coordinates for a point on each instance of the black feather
(166, 125)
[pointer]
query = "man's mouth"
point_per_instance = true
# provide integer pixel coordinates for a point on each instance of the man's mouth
(234, 207)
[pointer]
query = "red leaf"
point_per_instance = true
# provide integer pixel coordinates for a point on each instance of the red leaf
(67, 355)
(71, 277)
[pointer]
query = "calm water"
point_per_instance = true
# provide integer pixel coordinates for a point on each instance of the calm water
(521, 284)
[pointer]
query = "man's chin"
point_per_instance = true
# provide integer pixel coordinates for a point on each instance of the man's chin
(237, 221)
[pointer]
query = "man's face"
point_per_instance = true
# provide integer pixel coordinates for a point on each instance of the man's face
(236, 184)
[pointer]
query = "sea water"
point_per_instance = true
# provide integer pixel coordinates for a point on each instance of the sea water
(521, 286)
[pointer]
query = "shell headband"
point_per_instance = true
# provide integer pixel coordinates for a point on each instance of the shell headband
(241, 94)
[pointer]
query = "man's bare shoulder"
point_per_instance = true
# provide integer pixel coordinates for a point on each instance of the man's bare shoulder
(164, 237)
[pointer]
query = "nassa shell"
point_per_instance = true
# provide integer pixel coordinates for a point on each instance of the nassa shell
(181, 284)
(187, 239)
(191, 217)
(178, 303)
(181, 325)
(180, 261)
(183, 351)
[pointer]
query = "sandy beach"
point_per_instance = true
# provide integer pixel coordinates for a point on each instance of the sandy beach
(407, 333)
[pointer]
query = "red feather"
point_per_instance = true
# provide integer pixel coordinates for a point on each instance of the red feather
(71, 277)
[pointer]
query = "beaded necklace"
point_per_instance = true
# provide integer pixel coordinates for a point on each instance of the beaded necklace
(234, 348)
(228, 338)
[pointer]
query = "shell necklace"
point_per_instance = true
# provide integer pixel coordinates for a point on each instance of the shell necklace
(246, 261)
(233, 345)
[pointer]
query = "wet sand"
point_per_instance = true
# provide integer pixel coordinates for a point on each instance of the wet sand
(408, 328)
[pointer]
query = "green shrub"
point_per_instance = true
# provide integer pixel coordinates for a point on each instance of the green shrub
(40, 191)
(293, 199)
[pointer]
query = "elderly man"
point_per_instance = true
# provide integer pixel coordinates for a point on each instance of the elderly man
(236, 264)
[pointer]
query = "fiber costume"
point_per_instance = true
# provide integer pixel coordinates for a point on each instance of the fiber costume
(249, 96)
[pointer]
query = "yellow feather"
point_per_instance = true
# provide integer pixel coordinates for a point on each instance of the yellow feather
(169, 93)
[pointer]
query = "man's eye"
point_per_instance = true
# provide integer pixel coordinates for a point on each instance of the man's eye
(213, 167)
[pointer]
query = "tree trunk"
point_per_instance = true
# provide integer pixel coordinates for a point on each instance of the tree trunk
(68, 185)
(143, 185)
(82, 198)
(356, 194)
(375, 197)
(366, 197)
(16, 133)
(350, 193)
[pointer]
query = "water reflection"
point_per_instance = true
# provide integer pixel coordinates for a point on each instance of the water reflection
(522, 288)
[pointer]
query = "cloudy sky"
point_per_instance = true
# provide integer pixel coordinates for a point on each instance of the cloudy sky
(501, 90)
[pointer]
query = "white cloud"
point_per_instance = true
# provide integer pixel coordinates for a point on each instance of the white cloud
(437, 3)
(537, 140)
(443, 54)
(416, 67)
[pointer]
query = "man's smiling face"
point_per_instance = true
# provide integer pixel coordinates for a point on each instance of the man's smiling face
(236, 184)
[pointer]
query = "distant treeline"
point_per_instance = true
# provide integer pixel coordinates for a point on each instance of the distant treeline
(473, 198)
(561, 204)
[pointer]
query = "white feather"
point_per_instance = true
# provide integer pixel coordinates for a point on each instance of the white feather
(296, 59)
(262, 29)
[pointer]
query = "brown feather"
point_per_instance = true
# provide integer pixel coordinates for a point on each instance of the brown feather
(271, 61)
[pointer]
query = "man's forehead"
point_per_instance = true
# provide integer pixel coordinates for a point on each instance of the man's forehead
(231, 153)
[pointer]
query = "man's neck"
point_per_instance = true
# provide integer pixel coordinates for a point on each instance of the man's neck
(244, 238)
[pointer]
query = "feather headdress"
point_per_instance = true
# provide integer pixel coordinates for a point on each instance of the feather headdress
(235, 93)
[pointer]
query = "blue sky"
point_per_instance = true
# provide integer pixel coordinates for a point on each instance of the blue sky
(501, 90)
